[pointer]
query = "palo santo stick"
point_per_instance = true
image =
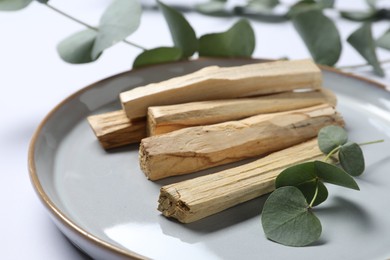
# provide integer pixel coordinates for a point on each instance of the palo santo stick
(164, 119)
(114, 129)
(194, 199)
(223, 83)
(195, 148)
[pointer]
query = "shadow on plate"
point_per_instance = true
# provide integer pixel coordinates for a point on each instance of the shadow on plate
(342, 208)
(222, 220)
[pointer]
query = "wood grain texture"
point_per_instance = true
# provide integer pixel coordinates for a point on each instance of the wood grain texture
(114, 129)
(165, 119)
(223, 83)
(197, 148)
(197, 198)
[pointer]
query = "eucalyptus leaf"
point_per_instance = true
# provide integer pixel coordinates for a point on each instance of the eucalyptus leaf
(372, 3)
(351, 159)
(371, 15)
(264, 3)
(120, 19)
(309, 5)
(332, 174)
(360, 16)
(320, 35)
(364, 44)
(302, 7)
(43, 1)
(287, 219)
(77, 48)
(311, 172)
(383, 14)
(330, 137)
(157, 55)
(308, 189)
(260, 13)
(304, 177)
(13, 5)
(296, 175)
(327, 3)
(384, 40)
(238, 41)
(213, 8)
(183, 35)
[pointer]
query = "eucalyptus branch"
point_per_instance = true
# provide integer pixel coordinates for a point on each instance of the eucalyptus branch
(336, 149)
(87, 25)
(371, 142)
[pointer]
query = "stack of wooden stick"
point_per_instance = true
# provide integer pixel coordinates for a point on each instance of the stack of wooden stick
(215, 116)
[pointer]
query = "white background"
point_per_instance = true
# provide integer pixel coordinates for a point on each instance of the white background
(33, 79)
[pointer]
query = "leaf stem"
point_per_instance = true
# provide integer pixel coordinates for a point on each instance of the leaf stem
(331, 153)
(70, 17)
(87, 25)
(361, 65)
(372, 142)
(315, 195)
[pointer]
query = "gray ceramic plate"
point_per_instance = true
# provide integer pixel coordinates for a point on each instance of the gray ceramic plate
(105, 205)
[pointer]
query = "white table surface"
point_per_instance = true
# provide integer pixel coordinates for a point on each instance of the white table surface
(33, 79)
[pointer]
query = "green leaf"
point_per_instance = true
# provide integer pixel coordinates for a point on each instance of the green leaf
(43, 1)
(308, 190)
(372, 3)
(120, 19)
(304, 177)
(157, 55)
(183, 35)
(302, 7)
(264, 3)
(263, 15)
(363, 43)
(13, 5)
(332, 174)
(351, 159)
(360, 16)
(320, 35)
(287, 220)
(309, 5)
(310, 173)
(327, 3)
(238, 41)
(213, 8)
(330, 137)
(296, 175)
(384, 40)
(260, 11)
(77, 48)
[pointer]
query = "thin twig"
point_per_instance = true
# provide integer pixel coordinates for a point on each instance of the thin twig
(87, 25)
(372, 142)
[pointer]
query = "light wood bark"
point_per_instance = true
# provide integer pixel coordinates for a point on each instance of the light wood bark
(223, 83)
(194, 199)
(164, 119)
(114, 129)
(195, 148)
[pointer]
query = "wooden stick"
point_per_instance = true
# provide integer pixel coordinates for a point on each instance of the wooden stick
(164, 119)
(194, 199)
(223, 83)
(114, 129)
(195, 148)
